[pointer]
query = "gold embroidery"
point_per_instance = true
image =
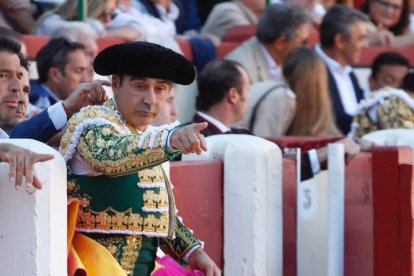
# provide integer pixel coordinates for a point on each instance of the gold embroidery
(130, 253)
(151, 175)
(125, 249)
(110, 219)
(155, 200)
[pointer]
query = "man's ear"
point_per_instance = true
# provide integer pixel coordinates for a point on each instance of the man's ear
(232, 95)
(54, 74)
(280, 43)
(115, 84)
(339, 41)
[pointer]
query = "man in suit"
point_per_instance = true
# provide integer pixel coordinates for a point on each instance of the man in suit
(62, 66)
(20, 160)
(343, 36)
(223, 93)
(223, 87)
(281, 28)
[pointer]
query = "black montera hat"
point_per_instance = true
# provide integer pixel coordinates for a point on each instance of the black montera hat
(146, 60)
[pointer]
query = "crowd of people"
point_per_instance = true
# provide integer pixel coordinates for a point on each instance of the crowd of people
(112, 114)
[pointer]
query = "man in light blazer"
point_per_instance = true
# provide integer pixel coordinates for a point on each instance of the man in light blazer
(281, 28)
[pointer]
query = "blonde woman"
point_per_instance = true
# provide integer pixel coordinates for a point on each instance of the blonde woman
(306, 76)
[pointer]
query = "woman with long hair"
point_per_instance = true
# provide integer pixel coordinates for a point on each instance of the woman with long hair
(306, 75)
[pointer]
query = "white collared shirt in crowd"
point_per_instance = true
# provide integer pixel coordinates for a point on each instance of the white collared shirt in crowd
(274, 69)
(343, 81)
(223, 128)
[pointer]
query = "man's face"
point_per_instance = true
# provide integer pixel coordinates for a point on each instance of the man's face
(23, 99)
(10, 85)
(354, 43)
(388, 75)
(140, 99)
(75, 72)
(244, 94)
(168, 114)
(386, 12)
(300, 39)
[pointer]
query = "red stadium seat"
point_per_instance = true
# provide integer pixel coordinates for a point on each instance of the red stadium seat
(186, 48)
(34, 43)
(239, 33)
(369, 54)
(105, 42)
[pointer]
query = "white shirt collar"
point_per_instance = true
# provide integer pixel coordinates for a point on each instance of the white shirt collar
(214, 121)
(274, 69)
(333, 64)
(3, 134)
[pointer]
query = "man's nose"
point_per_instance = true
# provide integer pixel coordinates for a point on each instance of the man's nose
(150, 97)
(15, 85)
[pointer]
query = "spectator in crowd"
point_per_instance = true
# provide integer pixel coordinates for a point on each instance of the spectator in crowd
(99, 139)
(22, 103)
(281, 28)
(343, 36)
(17, 15)
(223, 93)
(100, 14)
(299, 106)
(20, 160)
(392, 16)
(62, 66)
(388, 69)
(226, 15)
(306, 75)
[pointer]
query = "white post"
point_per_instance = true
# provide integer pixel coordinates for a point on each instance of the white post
(33, 226)
(320, 219)
(336, 209)
(253, 236)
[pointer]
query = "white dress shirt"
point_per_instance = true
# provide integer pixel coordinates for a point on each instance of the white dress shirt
(274, 69)
(343, 81)
(223, 128)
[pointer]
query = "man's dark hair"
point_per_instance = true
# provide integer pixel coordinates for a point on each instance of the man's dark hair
(55, 54)
(388, 58)
(217, 77)
(280, 20)
(338, 20)
(13, 46)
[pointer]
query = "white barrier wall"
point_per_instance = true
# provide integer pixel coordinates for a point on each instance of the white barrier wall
(253, 236)
(320, 219)
(33, 226)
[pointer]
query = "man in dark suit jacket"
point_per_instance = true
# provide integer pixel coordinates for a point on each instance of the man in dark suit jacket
(343, 36)
(223, 92)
